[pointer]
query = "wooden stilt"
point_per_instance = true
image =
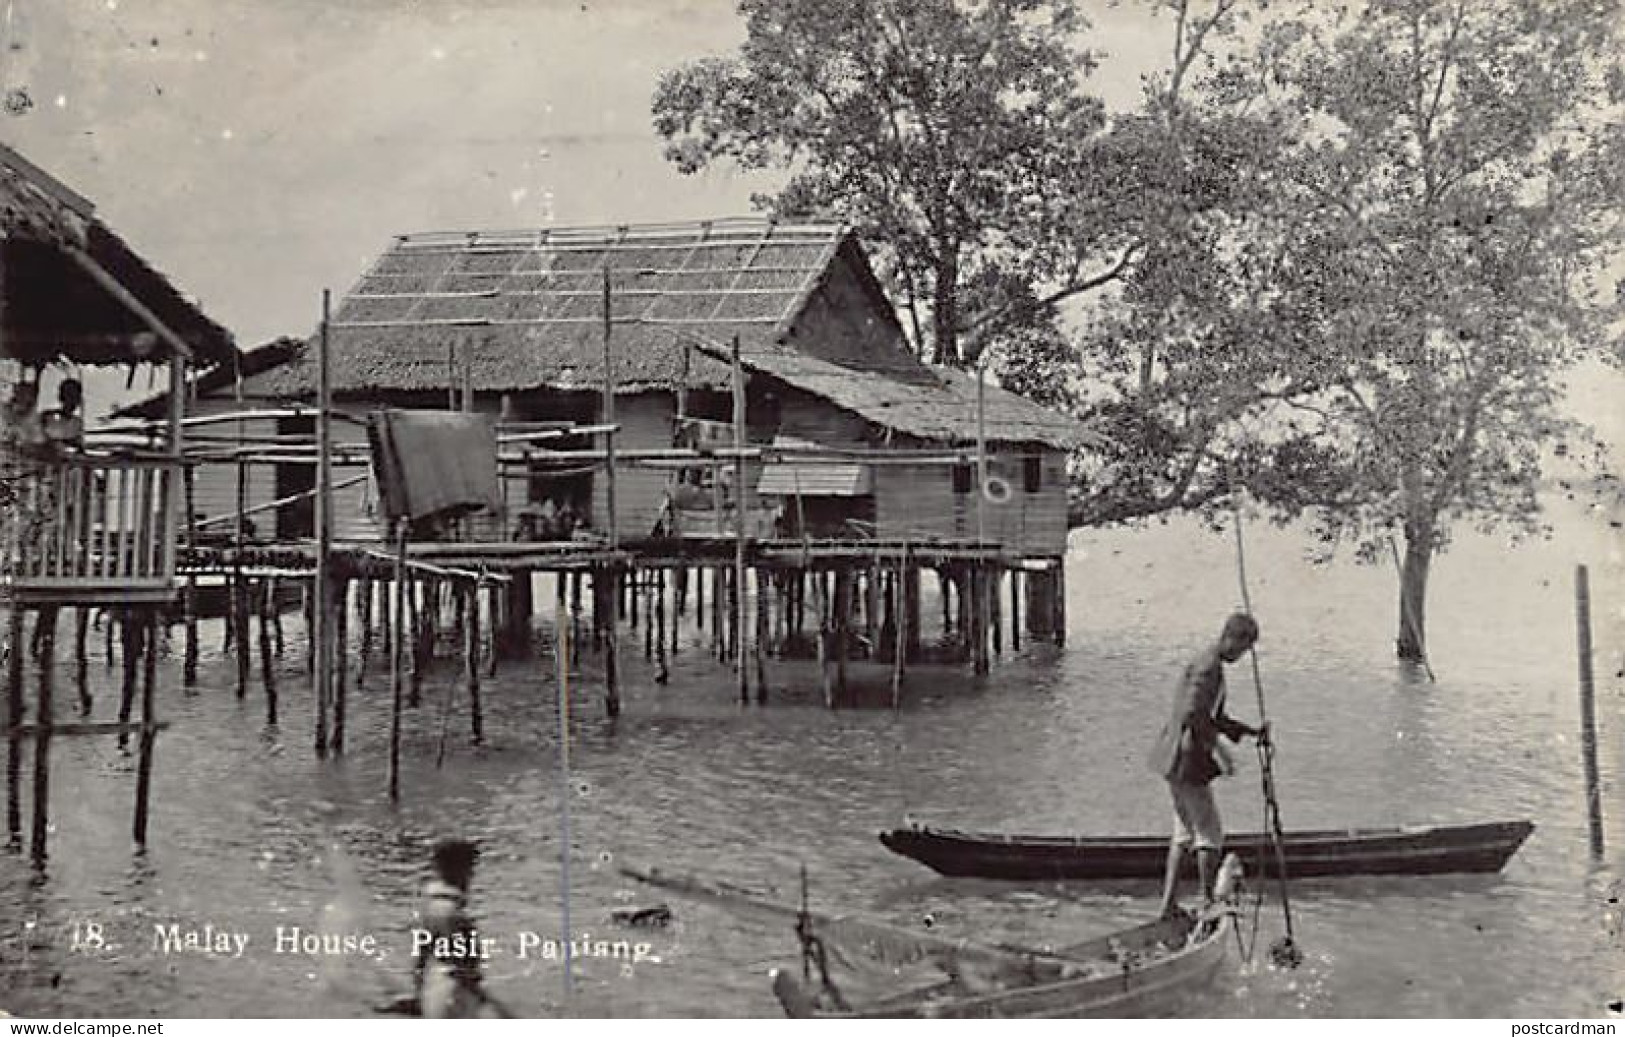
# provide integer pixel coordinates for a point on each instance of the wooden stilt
(1060, 603)
(658, 604)
(189, 595)
(843, 611)
(493, 598)
(1015, 610)
(900, 619)
(612, 674)
(386, 621)
(912, 611)
(14, 720)
(276, 615)
(44, 720)
(267, 668)
(396, 642)
(130, 649)
(821, 638)
(364, 587)
(471, 658)
(699, 598)
(149, 730)
(995, 608)
(759, 650)
(81, 659)
(410, 630)
(945, 589)
(340, 670)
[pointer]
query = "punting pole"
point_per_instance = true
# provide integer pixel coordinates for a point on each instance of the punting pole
(1285, 951)
(561, 635)
(741, 510)
(1588, 710)
(324, 526)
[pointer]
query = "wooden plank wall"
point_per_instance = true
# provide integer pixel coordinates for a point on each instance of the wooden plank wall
(646, 423)
(214, 486)
(920, 503)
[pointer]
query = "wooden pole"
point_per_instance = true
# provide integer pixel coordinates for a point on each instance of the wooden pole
(612, 690)
(741, 513)
(44, 719)
(14, 720)
(340, 626)
(566, 786)
(471, 655)
(189, 595)
(1015, 610)
(323, 633)
(81, 657)
(149, 728)
(396, 651)
(900, 622)
(762, 622)
(267, 668)
(238, 602)
(658, 602)
(130, 642)
(1588, 711)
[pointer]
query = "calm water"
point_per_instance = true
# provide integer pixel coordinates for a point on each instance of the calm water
(251, 832)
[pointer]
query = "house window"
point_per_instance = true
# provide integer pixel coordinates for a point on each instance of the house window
(1032, 473)
(962, 478)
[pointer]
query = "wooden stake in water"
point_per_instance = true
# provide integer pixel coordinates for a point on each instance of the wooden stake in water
(1588, 712)
(561, 633)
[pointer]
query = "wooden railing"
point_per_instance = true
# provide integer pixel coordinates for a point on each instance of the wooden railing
(89, 530)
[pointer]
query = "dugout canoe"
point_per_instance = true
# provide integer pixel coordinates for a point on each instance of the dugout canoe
(1136, 972)
(1408, 850)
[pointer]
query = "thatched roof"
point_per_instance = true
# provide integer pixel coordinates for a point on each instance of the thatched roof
(524, 310)
(221, 378)
(65, 272)
(939, 405)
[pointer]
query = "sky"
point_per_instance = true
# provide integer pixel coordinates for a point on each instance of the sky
(259, 151)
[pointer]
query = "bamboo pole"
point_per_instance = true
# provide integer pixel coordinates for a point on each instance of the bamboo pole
(81, 658)
(324, 526)
(1588, 711)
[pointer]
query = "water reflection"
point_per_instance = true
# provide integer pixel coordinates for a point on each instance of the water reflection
(250, 831)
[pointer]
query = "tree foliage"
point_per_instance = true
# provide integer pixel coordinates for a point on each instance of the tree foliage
(1457, 178)
(954, 136)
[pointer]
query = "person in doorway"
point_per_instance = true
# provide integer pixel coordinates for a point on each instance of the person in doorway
(447, 950)
(65, 426)
(1188, 755)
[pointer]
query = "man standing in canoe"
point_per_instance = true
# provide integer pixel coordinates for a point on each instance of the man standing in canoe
(1188, 755)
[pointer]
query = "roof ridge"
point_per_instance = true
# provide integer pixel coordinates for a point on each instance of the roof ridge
(531, 236)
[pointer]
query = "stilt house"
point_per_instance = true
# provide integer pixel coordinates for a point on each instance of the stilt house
(514, 324)
(83, 525)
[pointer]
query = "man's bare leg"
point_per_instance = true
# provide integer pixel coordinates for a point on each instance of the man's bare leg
(1170, 878)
